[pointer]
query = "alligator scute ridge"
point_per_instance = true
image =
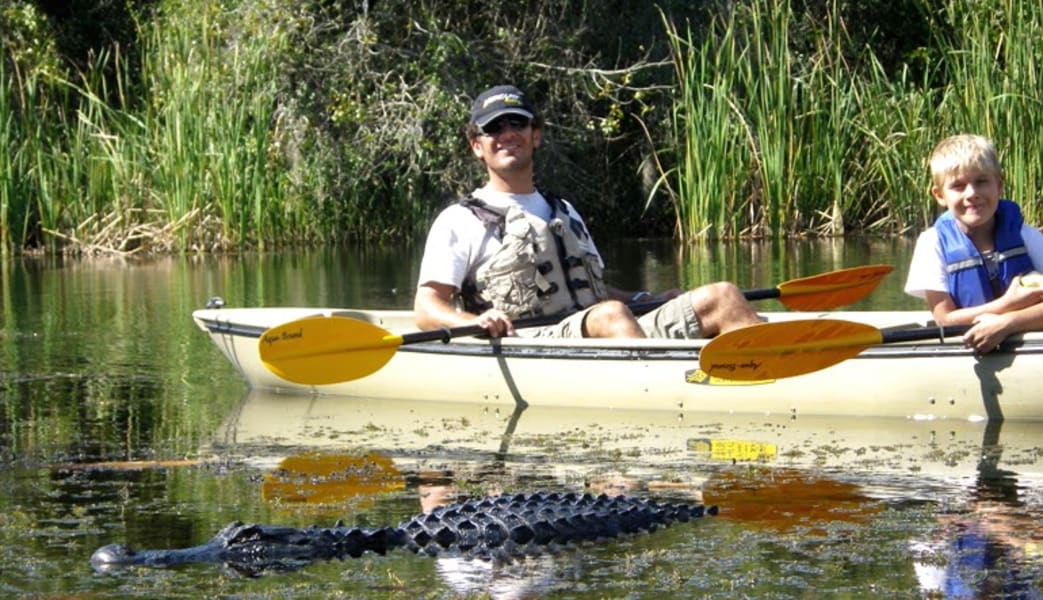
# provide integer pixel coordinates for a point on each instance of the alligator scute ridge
(497, 527)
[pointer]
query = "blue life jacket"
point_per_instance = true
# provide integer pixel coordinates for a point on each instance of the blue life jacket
(969, 281)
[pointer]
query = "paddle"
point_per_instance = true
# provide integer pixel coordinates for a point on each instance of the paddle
(824, 291)
(322, 350)
(788, 348)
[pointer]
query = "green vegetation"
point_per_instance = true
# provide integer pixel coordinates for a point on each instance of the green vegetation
(778, 136)
(216, 125)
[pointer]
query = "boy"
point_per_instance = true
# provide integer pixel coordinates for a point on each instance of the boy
(969, 264)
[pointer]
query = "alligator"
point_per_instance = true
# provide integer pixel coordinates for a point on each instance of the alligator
(494, 528)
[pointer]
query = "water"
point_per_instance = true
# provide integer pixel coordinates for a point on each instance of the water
(121, 423)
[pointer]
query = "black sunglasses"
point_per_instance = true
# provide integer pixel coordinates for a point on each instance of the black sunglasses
(516, 122)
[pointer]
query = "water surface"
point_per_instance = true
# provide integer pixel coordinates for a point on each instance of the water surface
(121, 423)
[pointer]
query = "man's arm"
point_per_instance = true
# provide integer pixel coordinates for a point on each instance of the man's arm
(433, 308)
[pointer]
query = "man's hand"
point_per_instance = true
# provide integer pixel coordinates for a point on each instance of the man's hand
(496, 323)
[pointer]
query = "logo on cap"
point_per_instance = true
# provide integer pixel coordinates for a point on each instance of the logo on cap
(508, 99)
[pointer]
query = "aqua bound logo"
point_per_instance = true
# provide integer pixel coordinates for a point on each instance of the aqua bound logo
(282, 336)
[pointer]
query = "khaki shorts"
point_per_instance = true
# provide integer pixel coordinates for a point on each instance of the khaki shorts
(676, 319)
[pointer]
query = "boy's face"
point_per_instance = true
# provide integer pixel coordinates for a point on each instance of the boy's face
(971, 196)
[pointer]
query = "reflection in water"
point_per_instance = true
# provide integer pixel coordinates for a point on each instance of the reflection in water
(782, 499)
(981, 550)
(529, 577)
(790, 477)
(324, 478)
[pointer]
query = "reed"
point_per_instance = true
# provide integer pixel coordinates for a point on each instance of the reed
(10, 139)
(995, 86)
(708, 141)
(210, 123)
(179, 157)
(778, 126)
(755, 134)
(829, 144)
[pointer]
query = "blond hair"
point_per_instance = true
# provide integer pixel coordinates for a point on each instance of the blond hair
(965, 152)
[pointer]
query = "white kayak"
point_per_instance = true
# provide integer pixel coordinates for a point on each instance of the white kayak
(923, 378)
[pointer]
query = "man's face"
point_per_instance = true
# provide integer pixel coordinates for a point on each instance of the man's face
(972, 196)
(507, 143)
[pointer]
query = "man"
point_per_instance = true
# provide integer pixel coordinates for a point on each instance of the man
(509, 251)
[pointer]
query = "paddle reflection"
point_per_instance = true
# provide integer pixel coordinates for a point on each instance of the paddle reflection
(782, 499)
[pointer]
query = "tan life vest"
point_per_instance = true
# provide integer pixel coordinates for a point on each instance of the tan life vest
(541, 268)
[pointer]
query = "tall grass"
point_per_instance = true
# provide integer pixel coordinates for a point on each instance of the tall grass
(712, 142)
(200, 144)
(814, 143)
(190, 164)
(758, 134)
(225, 130)
(9, 139)
(995, 85)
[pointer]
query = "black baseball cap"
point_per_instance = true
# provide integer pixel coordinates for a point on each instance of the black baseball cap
(498, 101)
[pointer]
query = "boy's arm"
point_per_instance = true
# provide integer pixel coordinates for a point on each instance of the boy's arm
(991, 329)
(1018, 298)
(1018, 310)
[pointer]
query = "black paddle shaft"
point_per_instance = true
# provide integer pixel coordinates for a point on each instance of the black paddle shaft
(446, 334)
(896, 336)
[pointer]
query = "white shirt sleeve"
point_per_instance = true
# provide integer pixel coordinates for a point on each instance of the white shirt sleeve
(454, 247)
(1033, 239)
(927, 267)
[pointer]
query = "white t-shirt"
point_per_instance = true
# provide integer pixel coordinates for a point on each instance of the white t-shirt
(927, 268)
(458, 243)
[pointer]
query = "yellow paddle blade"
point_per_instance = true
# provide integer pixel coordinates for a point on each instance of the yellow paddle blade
(833, 289)
(785, 349)
(316, 478)
(321, 350)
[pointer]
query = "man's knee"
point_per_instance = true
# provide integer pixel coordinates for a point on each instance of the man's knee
(611, 309)
(711, 295)
(610, 318)
(724, 290)
(607, 312)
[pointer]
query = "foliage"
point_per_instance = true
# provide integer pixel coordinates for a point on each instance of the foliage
(777, 135)
(210, 125)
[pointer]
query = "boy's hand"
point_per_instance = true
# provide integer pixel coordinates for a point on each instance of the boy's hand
(988, 331)
(1032, 279)
(1026, 291)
